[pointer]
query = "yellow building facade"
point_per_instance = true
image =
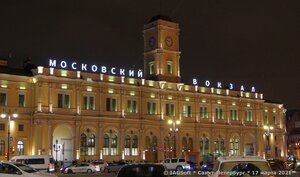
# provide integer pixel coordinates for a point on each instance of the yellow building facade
(72, 113)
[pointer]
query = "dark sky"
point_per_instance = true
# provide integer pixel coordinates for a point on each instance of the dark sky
(252, 42)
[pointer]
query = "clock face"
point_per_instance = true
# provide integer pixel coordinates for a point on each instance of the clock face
(169, 41)
(151, 41)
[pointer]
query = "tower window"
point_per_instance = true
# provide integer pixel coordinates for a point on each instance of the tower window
(170, 67)
(151, 68)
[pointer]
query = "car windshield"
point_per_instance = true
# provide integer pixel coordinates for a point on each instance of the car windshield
(26, 168)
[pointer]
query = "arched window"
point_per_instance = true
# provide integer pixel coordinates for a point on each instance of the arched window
(127, 145)
(204, 145)
(106, 145)
(234, 146)
(92, 145)
(2, 147)
(83, 143)
(219, 146)
(114, 144)
(20, 147)
(135, 145)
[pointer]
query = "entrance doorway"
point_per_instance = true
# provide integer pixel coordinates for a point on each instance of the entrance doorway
(62, 143)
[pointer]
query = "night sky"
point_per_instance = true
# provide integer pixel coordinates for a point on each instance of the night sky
(254, 42)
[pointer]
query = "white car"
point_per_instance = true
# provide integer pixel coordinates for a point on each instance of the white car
(100, 165)
(80, 168)
(178, 164)
(241, 166)
(11, 169)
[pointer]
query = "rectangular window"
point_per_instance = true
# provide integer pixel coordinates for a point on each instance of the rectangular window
(248, 115)
(187, 111)
(111, 104)
(204, 112)
(151, 108)
(170, 109)
(234, 114)
(21, 100)
(2, 127)
(170, 67)
(132, 106)
(88, 102)
(21, 127)
(219, 113)
(2, 99)
(63, 101)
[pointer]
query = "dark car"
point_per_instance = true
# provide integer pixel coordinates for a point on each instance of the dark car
(276, 164)
(143, 170)
(207, 167)
(114, 167)
(193, 165)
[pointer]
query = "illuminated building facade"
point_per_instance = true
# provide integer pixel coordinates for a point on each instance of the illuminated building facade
(71, 113)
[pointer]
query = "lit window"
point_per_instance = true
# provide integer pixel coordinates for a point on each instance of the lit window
(63, 101)
(203, 112)
(187, 111)
(151, 68)
(170, 67)
(219, 113)
(132, 106)
(248, 115)
(20, 147)
(170, 109)
(127, 145)
(88, 102)
(234, 146)
(234, 114)
(106, 145)
(134, 149)
(204, 146)
(151, 108)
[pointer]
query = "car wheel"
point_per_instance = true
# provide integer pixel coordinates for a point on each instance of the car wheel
(89, 171)
(106, 170)
(69, 171)
(179, 168)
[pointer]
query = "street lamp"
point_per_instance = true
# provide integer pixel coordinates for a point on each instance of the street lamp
(9, 116)
(267, 133)
(174, 130)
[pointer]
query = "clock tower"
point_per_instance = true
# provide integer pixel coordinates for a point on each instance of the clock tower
(161, 49)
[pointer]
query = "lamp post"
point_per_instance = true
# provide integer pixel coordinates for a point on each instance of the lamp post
(267, 133)
(174, 130)
(9, 116)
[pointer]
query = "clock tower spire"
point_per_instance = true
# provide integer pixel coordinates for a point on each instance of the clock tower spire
(161, 49)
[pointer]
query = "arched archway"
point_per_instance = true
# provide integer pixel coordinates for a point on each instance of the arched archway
(62, 143)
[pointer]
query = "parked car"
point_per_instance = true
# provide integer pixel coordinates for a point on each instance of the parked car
(39, 162)
(80, 168)
(277, 164)
(241, 166)
(142, 170)
(193, 165)
(114, 167)
(100, 165)
(11, 169)
(178, 164)
(207, 167)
